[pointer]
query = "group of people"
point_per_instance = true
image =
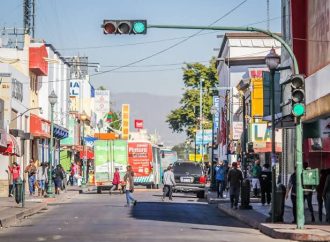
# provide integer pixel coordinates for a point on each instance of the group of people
(322, 190)
(231, 178)
(38, 177)
(262, 182)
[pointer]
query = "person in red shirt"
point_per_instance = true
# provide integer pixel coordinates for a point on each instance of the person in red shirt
(115, 181)
(15, 173)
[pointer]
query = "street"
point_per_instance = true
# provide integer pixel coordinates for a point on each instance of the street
(101, 217)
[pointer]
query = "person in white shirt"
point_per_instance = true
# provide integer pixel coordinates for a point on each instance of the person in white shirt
(168, 182)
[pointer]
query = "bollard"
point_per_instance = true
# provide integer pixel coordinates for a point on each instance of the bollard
(245, 194)
(279, 202)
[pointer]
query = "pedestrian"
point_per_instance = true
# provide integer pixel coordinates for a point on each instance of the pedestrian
(115, 181)
(58, 178)
(15, 174)
(326, 197)
(319, 192)
(235, 178)
(266, 184)
(169, 183)
(31, 170)
(256, 173)
(220, 172)
(42, 178)
(129, 180)
(308, 194)
(292, 188)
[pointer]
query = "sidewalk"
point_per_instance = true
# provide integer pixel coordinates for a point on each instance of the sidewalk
(259, 215)
(11, 212)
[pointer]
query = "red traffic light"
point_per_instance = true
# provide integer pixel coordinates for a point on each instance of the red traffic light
(109, 27)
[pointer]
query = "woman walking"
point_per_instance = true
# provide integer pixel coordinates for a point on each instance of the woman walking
(58, 178)
(42, 178)
(129, 180)
(15, 173)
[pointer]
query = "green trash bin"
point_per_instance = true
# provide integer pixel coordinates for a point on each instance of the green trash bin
(311, 177)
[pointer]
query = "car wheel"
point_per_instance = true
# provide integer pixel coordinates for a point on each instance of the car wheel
(201, 194)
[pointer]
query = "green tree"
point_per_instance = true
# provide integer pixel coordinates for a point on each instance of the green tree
(186, 117)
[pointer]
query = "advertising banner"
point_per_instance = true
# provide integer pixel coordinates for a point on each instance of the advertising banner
(216, 116)
(70, 139)
(102, 160)
(203, 136)
(140, 157)
(120, 155)
(102, 101)
(125, 121)
(237, 130)
(74, 88)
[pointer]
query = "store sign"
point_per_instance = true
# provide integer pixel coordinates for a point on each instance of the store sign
(216, 116)
(125, 121)
(74, 88)
(102, 101)
(237, 129)
(138, 124)
(70, 139)
(140, 157)
(203, 136)
(262, 133)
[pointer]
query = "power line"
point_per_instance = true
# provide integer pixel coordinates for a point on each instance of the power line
(172, 46)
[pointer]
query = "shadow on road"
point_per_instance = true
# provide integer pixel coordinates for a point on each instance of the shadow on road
(201, 214)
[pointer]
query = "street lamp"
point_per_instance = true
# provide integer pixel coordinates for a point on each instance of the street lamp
(52, 98)
(83, 118)
(272, 61)
(213, 111)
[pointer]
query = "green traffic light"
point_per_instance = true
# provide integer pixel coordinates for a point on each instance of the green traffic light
(139, 27)
(298, 109)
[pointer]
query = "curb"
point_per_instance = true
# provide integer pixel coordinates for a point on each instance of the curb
(10, 220)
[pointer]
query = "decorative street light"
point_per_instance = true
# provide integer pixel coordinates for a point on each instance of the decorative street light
(272, 61)
(52, 98)
(83, 118)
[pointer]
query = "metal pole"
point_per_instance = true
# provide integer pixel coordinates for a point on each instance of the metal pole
(201, 115)
(50, 148)
(212, 162)
(273, 154)
(299, 190)
(83, 182)
(195, 146)
(244, 137)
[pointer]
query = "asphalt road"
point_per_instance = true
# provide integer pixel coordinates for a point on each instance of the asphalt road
(101, 217)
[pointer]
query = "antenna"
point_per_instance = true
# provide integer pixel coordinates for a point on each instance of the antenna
(29, 17)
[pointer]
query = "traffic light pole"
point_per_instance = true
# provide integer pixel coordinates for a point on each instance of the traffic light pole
(299, 190)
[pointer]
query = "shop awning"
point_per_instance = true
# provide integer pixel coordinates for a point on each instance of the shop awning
(89, 154)
(60, 132)
(12, 147)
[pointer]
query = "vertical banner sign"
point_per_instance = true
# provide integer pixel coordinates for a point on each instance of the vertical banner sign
(216, 116)
(102, 103)
(138, 124)
(125, 121)
(140, 158)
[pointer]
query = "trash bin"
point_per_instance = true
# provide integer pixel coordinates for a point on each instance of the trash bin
(279, 202)
(245, 194)
(18, 191)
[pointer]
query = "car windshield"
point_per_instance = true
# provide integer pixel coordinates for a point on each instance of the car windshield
(187, 167)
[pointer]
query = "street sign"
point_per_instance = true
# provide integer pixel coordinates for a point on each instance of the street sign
(203, 137)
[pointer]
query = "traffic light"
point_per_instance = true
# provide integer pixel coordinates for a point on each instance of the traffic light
(124, 26)
(298, 95)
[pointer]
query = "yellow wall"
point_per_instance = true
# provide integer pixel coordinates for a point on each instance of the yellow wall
(257, 97)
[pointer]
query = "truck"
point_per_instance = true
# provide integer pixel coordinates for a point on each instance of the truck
(144, 158)
(167, 157)
(108, 155)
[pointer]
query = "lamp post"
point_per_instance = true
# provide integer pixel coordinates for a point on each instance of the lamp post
(52, 98)
(201, 116)
(83, 118)
(272, 61)
(214, 111)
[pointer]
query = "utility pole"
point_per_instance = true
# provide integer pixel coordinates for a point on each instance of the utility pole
(29, 17)
(201, 116)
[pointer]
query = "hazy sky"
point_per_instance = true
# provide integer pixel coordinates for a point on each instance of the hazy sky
(73, 27)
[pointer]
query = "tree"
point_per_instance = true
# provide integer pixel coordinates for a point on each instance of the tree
(186, 117)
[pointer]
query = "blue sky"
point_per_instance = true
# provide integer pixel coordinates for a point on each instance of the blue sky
(73, 27)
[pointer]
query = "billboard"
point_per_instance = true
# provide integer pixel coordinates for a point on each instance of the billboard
(140, 158)
(203, 136)
(138, 124)
(102, 101)
(102, 160)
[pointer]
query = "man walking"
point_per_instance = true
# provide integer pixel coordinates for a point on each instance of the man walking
(169, 182)
(129, 180)
(256, 172)
(235, 177)
(266, 184)
(220, 171)
(115, 181)
(31, 169)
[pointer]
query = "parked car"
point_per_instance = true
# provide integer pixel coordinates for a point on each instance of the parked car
(189, 177)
